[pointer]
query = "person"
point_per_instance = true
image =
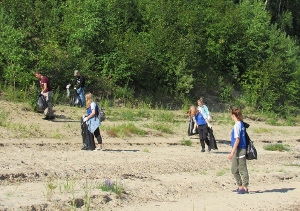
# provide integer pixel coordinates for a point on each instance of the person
(91, 112)
(202, 107)
(80, 84)
(202, 123)
(238, 152)
(48, 94)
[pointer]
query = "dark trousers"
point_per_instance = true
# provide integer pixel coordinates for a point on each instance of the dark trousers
(202, 129)
(98, 136)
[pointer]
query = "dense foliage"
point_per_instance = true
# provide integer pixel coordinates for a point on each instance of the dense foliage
(158, 50)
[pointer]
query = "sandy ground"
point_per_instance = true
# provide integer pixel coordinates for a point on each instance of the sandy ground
(43, 168)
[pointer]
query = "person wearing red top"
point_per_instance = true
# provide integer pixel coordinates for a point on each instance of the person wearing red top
(48, 94)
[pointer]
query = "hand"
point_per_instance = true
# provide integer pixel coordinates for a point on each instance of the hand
(194, 130)
(85, 119)
(42, 93)
(209, 125)
(83, 116)
(230, 156)
(68, 86)
(75, 88)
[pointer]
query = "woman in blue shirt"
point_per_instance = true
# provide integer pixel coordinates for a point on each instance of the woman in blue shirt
(203, 124)
(90, 117)
(238, 152)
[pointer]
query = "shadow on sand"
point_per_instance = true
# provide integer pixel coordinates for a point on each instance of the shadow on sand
(281, 190)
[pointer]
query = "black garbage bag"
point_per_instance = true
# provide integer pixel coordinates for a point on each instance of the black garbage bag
(87, 137)
(251, 153)
(41, 103)
(191, 127)
(76, 99)
(212, 140)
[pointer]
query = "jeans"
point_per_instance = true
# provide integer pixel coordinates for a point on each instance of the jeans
(80, 91)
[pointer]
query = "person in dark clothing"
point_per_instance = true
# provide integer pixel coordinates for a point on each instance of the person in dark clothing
(48, 94)
(79, 84)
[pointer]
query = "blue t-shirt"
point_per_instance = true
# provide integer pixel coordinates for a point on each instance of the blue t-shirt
(238, 131)
(200, 119)
(93, 107)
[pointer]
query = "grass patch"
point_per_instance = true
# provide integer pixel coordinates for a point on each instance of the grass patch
(109, 185)
(165, 116)
(146, 150)
(276, 147)
(222, 172)
(262, 130)
(186, 142)
(162, 127)
(124, 130)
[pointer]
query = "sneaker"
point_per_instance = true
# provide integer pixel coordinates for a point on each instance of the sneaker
(203, 150)
(236, 190)
(98, 149)
(242, 191)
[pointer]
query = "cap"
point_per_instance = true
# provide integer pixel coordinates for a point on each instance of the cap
(76, 72)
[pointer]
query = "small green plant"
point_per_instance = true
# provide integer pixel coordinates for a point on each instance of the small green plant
(50, 188)
(276, 147)
(109, 185)
(87, 187)
(67, 186)
(186, 142)
(146, 150)
(222, 172)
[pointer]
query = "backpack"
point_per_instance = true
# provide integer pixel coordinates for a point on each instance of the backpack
(251, 152)
(100, 113)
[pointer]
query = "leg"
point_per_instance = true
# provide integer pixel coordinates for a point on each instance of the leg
(205, 136)
(235, 168)
(201, 136)
(98, 137)
(48, 111)
(50, 97)
(81, 96)
(243, 168)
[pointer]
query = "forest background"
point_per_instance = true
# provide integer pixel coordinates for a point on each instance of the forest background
(158, 52)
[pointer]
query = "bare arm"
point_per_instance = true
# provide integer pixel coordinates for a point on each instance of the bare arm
(236, 143)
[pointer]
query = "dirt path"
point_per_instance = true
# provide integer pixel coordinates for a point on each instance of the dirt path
(43, 168)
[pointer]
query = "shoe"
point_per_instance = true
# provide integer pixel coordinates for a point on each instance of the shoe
(98, 149)
(236, 190)
(46, 118)
(52, 117)
(203, 150)
(84, 148)
(242, 191)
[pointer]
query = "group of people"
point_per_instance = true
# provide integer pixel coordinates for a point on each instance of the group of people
(201, 118)
(86, 100)
(200, 115)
